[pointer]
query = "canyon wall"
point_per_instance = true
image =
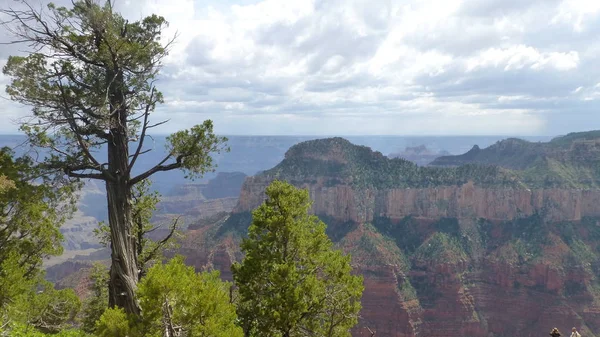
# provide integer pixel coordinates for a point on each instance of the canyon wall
(494, 289)
(346, 203)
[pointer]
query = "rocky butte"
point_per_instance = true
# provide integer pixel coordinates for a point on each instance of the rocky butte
(500, 241)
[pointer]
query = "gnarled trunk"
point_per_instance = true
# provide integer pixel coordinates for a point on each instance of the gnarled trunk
(123, 268)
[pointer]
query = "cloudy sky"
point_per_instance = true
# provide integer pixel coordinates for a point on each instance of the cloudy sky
(347, 67)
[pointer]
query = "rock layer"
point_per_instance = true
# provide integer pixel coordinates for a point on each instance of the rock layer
(345, 203)
(483, 294)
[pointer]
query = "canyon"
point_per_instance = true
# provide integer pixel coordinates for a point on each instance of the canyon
(469, 257)
(475, 245)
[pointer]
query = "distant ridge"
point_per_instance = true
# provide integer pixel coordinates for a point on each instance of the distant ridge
(572, 160)
(518, 154)
(342, 162)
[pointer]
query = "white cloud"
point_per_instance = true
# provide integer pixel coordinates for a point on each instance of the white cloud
(379, 66)
(577, 13)
(520, 56)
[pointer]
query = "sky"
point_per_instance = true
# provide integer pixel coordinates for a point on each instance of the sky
(373, 67)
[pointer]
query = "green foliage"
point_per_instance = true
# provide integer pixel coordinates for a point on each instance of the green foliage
(592, 227)
(97, 302)
(30, 214)
(14, 283)
(86, 57)
(197, 303)
(569, 161)
(20, 330)
(449, 226)
(107, 65)
(336, 229)
(5, 183)
(191, 146)
(567, 140)
(236, 223)
(42, 308)
(291, 281)
(582, 253)
(114, 322)
(407, 291)
(144, 205)
(440, 248)
(557, 173)
(374, 248)
(405, 233)
(535, 165)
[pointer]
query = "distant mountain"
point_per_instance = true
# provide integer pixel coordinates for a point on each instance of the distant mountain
(571, 160)
(337, 161)
(581, 148)
(420, 155)
(248, 156)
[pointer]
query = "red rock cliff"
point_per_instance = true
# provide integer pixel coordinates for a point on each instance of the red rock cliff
(467, 201)
(494, 291)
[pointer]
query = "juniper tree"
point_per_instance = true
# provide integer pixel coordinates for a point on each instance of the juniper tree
(292, 282)
(31, 212)
(90, 79)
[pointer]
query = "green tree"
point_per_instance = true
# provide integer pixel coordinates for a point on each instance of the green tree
(14, 282)
(31, 211)
(89, 79)
(5, 183)
(291, 281)
(95, 305)
(46, 310)
(114, 322)
(178, 301)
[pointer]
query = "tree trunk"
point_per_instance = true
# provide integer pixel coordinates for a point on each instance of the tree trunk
(123, 268)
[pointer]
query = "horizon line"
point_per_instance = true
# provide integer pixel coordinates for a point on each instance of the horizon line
(363, 135)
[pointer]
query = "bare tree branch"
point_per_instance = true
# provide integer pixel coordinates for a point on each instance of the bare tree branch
(143, 135)
(158, 168)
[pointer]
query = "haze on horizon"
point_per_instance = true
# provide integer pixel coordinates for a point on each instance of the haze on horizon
(357, 67)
